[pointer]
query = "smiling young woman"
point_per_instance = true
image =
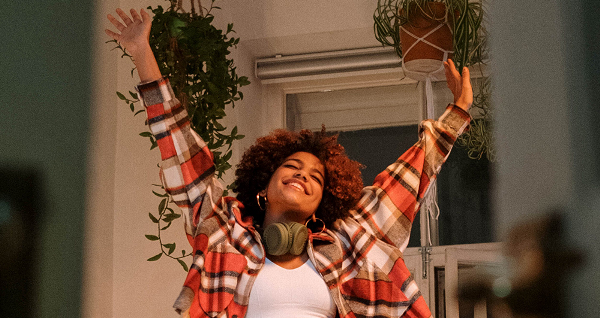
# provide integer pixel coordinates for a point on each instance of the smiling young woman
(350, 265)
(295, 189)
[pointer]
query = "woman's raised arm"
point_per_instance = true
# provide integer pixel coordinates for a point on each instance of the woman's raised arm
(134, 37)
(389, 207)
(187, 167)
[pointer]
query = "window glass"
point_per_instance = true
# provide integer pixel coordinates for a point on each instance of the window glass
(464, 200)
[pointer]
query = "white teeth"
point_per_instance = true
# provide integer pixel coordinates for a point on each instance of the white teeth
(296, 185)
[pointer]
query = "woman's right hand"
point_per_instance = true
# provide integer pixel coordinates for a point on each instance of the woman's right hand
(135, 37)
(134, 31)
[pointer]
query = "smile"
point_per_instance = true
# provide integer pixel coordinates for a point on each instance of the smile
(296, 185)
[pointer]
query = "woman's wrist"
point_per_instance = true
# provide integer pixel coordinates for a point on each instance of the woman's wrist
(145, 63)
(462, 105)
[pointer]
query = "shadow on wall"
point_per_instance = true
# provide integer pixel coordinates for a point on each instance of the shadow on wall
(21, 209)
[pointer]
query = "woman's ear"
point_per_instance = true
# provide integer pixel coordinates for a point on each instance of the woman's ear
(263, 193)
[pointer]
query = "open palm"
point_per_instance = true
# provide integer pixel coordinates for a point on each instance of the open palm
(134, 30)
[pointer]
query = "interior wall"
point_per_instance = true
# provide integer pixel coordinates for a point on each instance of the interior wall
(286, 27)
(98, 244)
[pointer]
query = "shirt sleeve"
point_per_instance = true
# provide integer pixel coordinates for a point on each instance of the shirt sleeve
(388, 208)
(187, 167)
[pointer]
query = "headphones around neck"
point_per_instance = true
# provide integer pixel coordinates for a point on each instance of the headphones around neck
(283, 238)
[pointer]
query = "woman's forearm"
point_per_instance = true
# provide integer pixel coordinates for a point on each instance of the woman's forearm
(146, 64)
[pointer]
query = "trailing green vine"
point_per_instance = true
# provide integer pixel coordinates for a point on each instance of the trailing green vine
(478, 140)
(193, 54)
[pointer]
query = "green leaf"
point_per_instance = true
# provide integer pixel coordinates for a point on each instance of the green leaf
(155, 257)
(218, 125)
(171, 247)
(121, 96)
(132, 107)
(134, 95)
(154, 220)
(152, 237)
(164, 195)
(139, 111)
(166, 226)
(146, 134)
(170, 217)
(161, 206)
(244, 81)
(183, 264)
(227, 156)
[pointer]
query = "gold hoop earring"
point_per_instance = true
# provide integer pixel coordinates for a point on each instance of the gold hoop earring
(258, 197)
(315, 219)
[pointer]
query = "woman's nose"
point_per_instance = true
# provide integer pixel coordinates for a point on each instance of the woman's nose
(300, 175)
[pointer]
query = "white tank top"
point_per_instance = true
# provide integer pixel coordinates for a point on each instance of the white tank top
(295, 293)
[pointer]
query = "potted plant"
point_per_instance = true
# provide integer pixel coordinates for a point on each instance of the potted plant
(453, 27)
(450, 25)
(193, 54)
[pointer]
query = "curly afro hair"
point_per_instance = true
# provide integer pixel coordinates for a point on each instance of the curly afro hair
(343, 181)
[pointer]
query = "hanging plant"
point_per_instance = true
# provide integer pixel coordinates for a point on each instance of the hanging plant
(464, 17)
(193, 54)
(468, 37)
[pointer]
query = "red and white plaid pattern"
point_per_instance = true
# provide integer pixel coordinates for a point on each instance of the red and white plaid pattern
(360, 258)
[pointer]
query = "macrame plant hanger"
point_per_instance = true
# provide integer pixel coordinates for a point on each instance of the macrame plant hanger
(427, 70)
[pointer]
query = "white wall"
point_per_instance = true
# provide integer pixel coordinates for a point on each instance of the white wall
(270, 27)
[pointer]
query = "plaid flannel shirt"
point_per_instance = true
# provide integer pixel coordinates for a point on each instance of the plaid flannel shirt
(359, 258)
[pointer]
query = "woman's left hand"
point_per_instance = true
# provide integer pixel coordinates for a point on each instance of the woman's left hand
(459, 85)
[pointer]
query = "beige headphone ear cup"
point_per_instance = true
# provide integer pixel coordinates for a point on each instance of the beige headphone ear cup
(299, 233)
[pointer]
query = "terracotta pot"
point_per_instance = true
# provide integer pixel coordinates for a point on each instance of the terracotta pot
(420, 22)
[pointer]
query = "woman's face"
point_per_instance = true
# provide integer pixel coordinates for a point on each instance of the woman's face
(295, 189)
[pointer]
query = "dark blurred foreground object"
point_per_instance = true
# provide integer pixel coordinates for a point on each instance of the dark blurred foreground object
(20, 206)
(537, 264)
